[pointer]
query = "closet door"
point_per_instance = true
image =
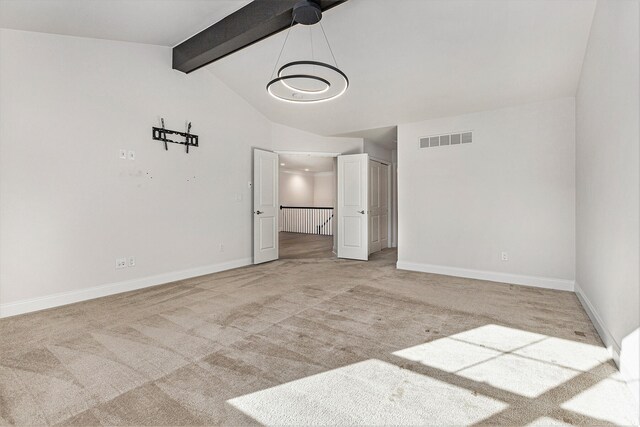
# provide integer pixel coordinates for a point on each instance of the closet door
(374, 206)
(384, 206)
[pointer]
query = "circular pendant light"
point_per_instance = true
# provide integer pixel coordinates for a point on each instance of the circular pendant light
(308, 82)
(304, 81)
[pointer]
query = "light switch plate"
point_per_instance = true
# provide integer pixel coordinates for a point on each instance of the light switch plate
(122, 154)
(132, 155)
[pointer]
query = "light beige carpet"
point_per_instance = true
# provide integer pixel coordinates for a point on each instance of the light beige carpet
(312, 341)
(300, 246)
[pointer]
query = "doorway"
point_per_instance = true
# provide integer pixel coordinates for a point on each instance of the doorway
(306, 188)
(319, 205)
(379, 205)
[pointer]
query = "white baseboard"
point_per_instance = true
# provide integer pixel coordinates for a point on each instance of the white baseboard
(56, 300)
(493, 276)
(605, 335)
(615, 348)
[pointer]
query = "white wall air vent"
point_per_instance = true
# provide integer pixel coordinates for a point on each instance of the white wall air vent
(448, 139)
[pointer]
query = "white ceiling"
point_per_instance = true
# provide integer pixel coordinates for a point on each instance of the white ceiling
(407, 60)
(158, 22)
(385, 136)
(410, 60)
(300, 162)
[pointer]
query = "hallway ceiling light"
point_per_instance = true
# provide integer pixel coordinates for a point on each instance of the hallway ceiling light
(308, 81)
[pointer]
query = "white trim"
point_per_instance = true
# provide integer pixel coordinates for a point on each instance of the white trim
(614, 348)
(493, 276)
(284, 169)
(308, 153)
(598, 323)
(390, 235)
(64, 298)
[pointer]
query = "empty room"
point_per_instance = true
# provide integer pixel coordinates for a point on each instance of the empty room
(319, 212)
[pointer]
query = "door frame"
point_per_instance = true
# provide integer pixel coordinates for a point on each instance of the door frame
(308, 153)
(335, 155)
(389, 198)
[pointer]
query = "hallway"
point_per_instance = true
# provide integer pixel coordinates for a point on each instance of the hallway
(305, 246)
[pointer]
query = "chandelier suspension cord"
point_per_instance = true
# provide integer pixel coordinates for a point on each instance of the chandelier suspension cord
(282, 50)
(327, 40)
(311, 42)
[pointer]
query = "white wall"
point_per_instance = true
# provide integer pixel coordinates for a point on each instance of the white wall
(306, 189)
(377, 151)
(296, 188)
(607, 179)
(70, 206)
(323, 189)
(511, 190)
(285, 138)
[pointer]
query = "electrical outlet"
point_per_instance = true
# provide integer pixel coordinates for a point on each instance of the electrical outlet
(221, 247)
(132, 261)
(505, 256)
(121, 263)
(122, 153)
(131, 155)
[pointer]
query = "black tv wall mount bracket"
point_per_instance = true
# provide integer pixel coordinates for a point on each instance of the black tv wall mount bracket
(160, 134)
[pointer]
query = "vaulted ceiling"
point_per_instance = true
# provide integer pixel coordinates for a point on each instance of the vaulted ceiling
(411, 60)
(158, 22)
(407, 60)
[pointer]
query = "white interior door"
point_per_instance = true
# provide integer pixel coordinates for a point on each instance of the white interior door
(265, 206)
(383, 208)
(374, 206)
(353, 225)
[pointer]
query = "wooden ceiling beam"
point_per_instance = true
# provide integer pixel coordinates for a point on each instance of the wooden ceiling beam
(248, 25)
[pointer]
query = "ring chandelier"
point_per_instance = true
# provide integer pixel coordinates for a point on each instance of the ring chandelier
(307, 82)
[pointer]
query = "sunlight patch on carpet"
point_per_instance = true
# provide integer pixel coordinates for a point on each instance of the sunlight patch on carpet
(606, 401)
(371, 392)
(521, 362)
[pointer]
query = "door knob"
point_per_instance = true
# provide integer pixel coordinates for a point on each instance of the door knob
(259, 212)
(362, 212)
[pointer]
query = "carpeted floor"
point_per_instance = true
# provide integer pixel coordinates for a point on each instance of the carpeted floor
(301, 246)
(312, 341)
